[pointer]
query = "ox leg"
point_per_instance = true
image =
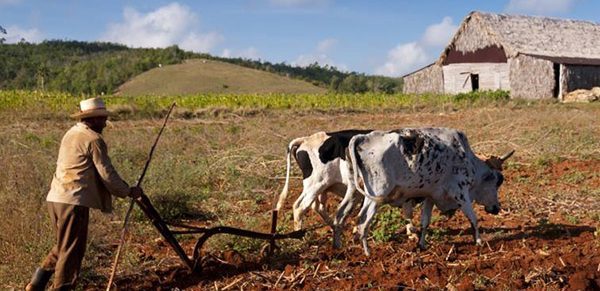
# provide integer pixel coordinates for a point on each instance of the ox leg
(467, 209)
(425, 219)
(366, 214)
(304, 201)
(342, 213)
(407, 209)
(320, 206)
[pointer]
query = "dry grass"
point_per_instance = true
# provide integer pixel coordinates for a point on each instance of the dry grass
(207, 76)
(224, 169)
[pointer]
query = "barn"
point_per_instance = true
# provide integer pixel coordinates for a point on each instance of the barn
(532, 57)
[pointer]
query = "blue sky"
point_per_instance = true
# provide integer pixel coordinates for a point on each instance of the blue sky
(374, 37)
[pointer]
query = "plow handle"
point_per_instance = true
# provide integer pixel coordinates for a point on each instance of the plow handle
(127, 215)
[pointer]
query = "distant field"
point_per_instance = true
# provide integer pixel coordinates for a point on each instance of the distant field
(221, 161)
(22, 105)
(208, 76)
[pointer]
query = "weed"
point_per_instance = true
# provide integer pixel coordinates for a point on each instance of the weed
(575, 177)
(572, 219)
(436, 233)
(387, 223)
(482, 282)
(435, 218)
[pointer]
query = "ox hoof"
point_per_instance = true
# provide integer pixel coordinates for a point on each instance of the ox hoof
(356, 237)
(337, 243)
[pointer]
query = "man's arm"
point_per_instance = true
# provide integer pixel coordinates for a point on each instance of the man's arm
(109, 176)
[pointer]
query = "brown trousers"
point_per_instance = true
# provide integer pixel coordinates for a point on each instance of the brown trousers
(70, 223)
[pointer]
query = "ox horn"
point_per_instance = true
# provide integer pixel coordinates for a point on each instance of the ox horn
(507, 155)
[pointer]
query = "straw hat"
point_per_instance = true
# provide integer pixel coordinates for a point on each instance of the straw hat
(93, 107)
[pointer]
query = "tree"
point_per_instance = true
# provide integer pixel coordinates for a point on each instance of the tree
(354, 84)
(335, 82)
(2, 31)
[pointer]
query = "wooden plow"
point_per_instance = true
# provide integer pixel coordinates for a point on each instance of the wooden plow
(193, 263)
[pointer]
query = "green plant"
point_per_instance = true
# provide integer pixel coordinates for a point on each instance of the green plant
(387, 223)
(572, 219)
(485, 95)
(482, 282)
(575, 177)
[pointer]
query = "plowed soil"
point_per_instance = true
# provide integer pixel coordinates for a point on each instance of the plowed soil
(546, 237)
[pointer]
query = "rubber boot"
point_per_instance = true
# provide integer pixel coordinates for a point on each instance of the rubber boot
(39, 280)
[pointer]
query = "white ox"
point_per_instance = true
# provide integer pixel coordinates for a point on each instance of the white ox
(433, 163)
(322, 159)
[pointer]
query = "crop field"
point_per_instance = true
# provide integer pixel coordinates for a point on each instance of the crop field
(221, 161)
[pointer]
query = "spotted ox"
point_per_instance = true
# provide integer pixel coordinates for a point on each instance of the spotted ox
(322, 159)
(433, 163)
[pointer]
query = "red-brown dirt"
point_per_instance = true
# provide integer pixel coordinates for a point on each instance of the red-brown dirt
(545, 238)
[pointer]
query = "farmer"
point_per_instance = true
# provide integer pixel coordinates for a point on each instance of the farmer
(84, 178)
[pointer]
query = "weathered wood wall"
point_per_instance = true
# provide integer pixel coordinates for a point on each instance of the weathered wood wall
(492, 76)
(426, 80)
(531, 78)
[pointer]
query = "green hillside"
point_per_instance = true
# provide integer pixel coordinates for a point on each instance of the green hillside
(93, 68)
(209, 76)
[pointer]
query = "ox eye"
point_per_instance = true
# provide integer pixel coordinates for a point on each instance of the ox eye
(489, 177)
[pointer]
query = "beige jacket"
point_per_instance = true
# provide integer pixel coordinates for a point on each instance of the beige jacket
(84, 174)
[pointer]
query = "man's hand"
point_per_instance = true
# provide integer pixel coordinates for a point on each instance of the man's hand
(135, 192)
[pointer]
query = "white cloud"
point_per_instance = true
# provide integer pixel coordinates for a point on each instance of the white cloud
(14, 34)
(200, 42)
(402, 59)
(439, 34)
(168, 25)
(540, 6)
(407, 57)
(326, 45)
(321, 55)
(300, 3)
(248, 53)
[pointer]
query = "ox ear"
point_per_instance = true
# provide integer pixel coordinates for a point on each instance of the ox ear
(496, 162)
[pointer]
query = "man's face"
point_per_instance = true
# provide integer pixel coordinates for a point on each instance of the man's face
(97, 124)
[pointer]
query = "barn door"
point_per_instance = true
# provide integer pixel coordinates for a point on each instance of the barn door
(556, 69)
(474, 82)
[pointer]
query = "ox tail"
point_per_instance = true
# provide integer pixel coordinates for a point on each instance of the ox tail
(357, 168)
(291, 150)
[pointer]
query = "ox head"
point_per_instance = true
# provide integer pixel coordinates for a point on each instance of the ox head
(490, 180)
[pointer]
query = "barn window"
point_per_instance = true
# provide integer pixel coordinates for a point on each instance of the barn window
(474, 82)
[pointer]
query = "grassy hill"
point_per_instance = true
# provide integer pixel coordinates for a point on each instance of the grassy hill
(210, 76)
(93, 68)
